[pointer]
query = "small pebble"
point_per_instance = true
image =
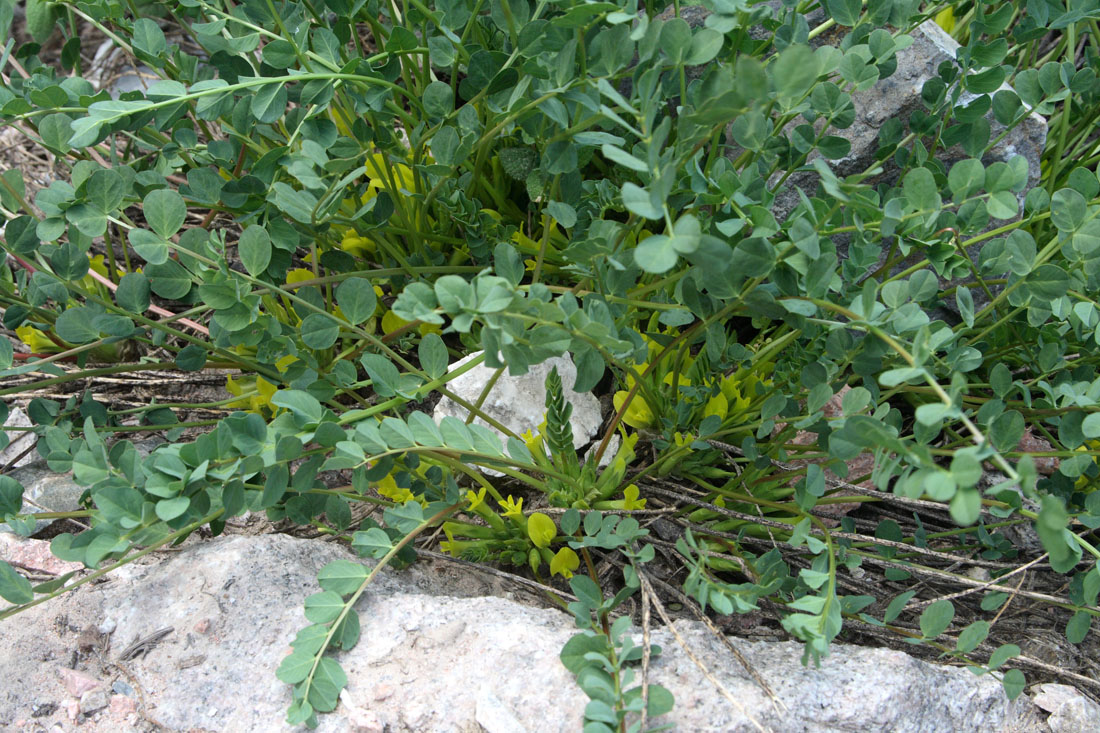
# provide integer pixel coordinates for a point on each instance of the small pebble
(123, 688)
(40, 709)
(364, 721)
(93, 701)
(978, 573)
(108, 626)
(121, 705)
(76, 682)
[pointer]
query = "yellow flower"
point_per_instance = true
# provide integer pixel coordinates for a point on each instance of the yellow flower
(97, 264)
(564, 563)
(639, 369)
(630, 498)
(531, 245)
(298, 275)
(257, 402)
(378, 176)
(357, 245)
(340, 122)
(391, 322)
(625, 454)
(388, 489)
(541, 529)
(682, 381)
(533, 441)
(682, 440)
(475, 500)
(276, 310)
(653, 350)
(234, 388)
(525, 243)
(455, 547)
(284, 362)
(512, 508)
(37, 341)
(717, 405)
(637, 415)
(246, 351)
(946, 19)
(732, 392)
(449, 545)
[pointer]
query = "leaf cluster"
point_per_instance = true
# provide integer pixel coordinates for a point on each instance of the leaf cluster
(681, 207)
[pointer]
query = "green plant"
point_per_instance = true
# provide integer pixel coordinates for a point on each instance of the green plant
(336, 200)
(599, 655)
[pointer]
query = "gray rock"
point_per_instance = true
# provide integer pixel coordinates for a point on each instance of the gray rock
(122, 688)
(47, 491)
(519, 403)
(93, 700)
(431, 661)
(136, 80)
(1024, 535)
(1070, 711)
(19, 440)
(112, 69)
(33, 555)
(897, 97)
(494, 716)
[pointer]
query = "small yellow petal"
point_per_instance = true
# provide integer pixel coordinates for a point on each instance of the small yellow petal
(512, 507)
(541, 529)
(946, 19)
(533, 442)
(717, 405)
(638, 414)
(682, 380)
(266, 389)
(391, 322)
(284, 362)
(298, 275)
(234, 387)
(35, 339)
(564, 563)
(630, 498)
(475, 500)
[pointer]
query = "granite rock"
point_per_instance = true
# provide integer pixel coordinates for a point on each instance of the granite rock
(432, 660)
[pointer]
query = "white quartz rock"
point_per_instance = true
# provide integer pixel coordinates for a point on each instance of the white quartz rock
(519, 403)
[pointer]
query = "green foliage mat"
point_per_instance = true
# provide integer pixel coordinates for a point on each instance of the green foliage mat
(337, 200)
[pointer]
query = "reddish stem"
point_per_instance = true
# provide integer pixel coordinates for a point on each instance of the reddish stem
(112, 287)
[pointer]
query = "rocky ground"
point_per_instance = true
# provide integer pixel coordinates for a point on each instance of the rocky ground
(190, 640)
